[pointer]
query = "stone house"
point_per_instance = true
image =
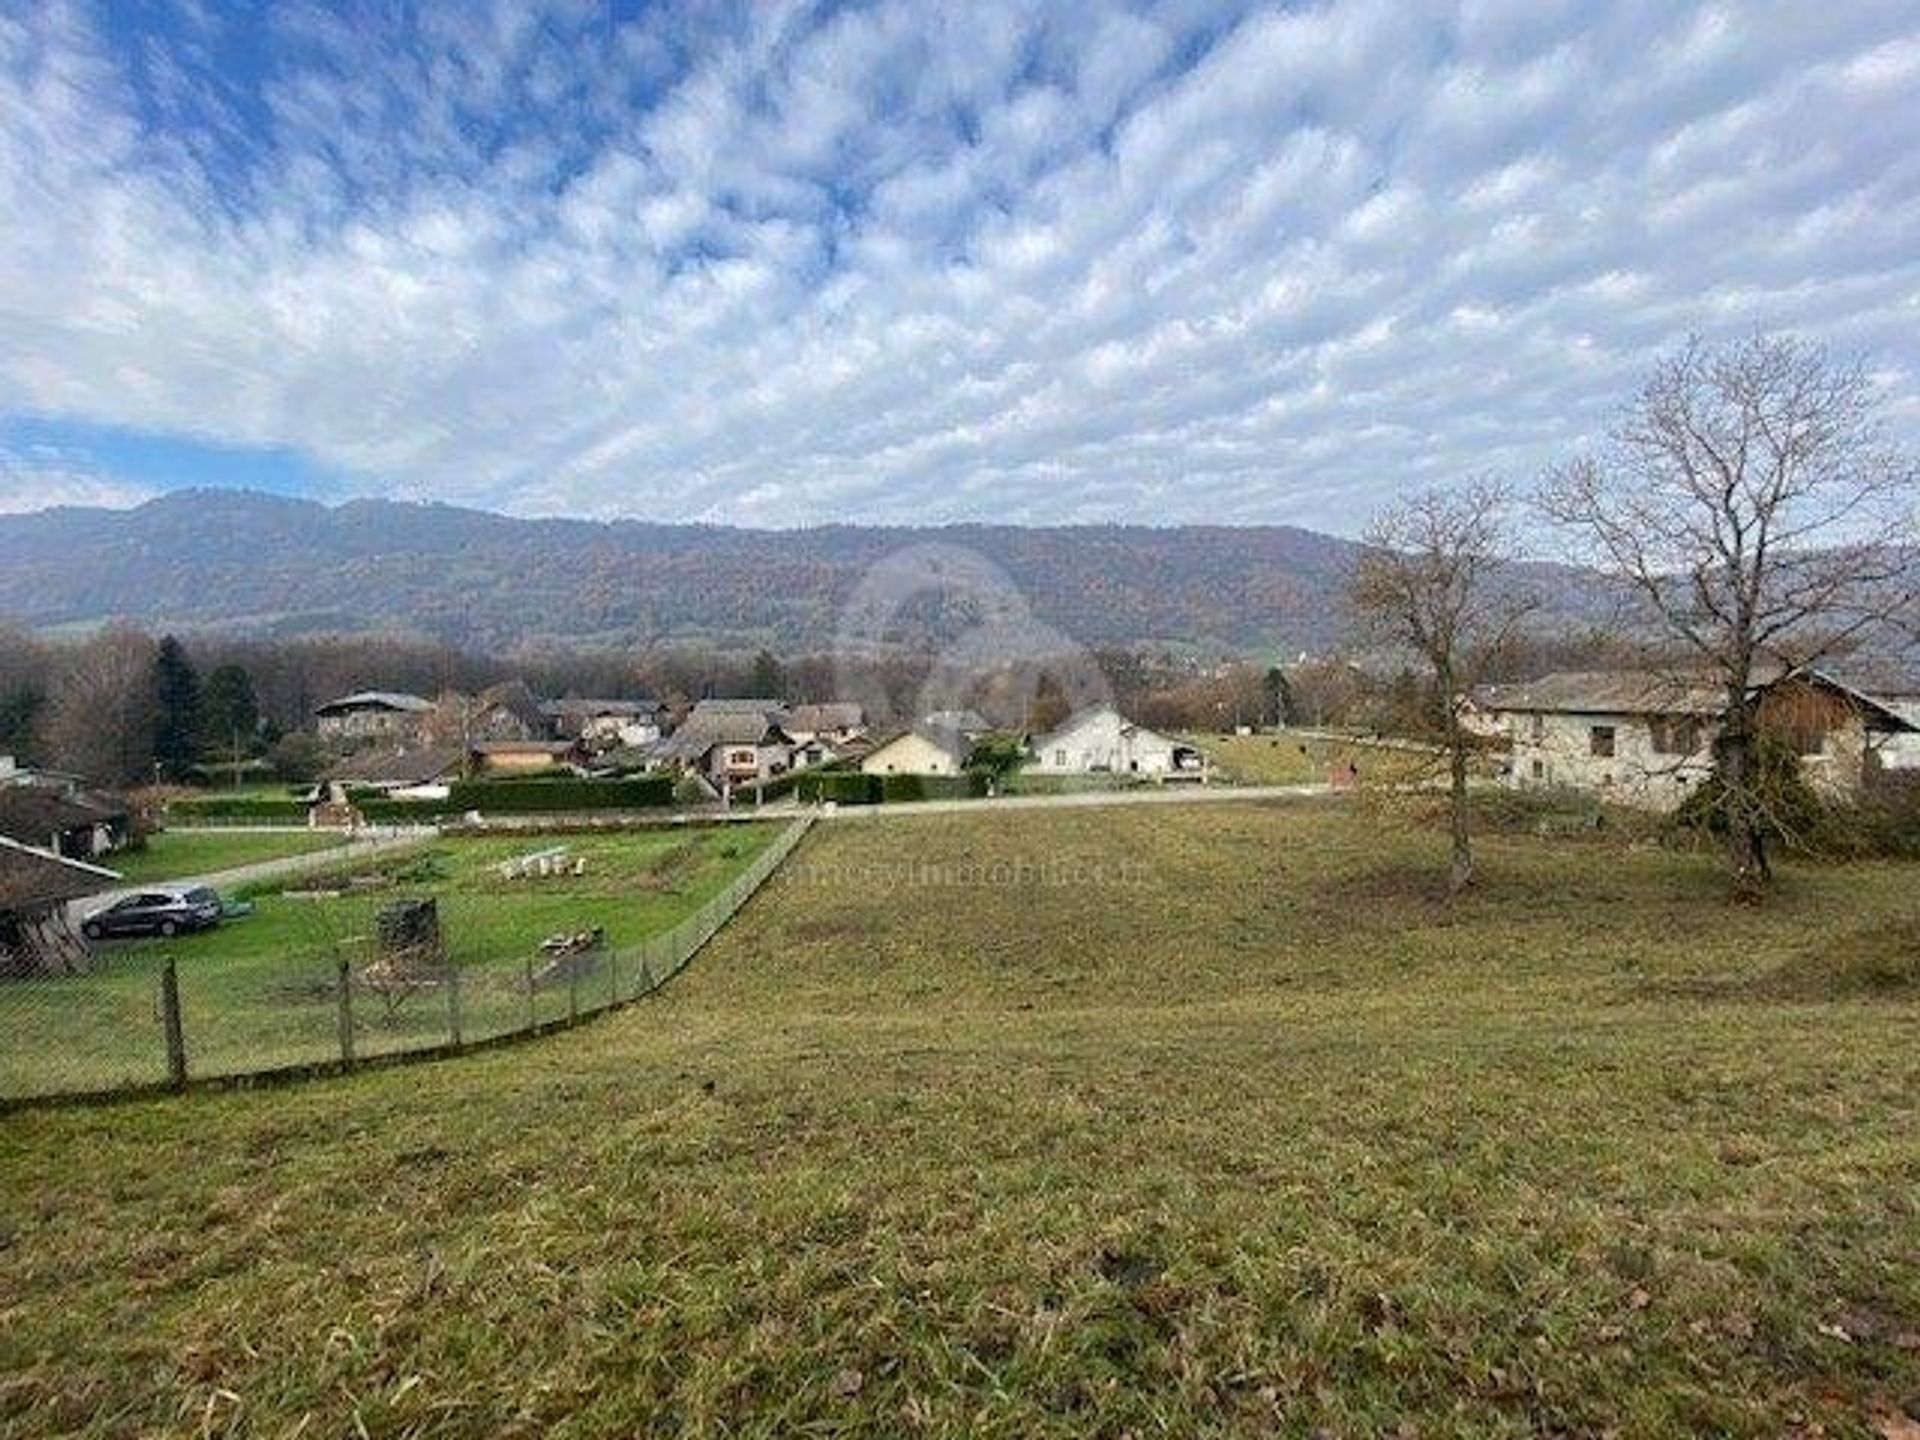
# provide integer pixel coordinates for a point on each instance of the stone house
(1645, 738)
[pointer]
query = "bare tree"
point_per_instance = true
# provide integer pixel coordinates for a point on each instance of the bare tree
(1749, 498)
(99, 720)
(1435, 579)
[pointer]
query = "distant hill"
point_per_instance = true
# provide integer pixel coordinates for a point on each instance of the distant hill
(245, 561)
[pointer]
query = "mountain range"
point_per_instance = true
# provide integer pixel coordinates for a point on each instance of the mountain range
(245, 561)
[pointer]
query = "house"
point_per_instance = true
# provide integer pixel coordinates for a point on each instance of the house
(372, 715)
(923, 750)
(833, 723)
(1098, 739)
(778, 711)
(507, 711)
(601, 724)
(418, 772)
(76, 824)
(36, 886)
(1645, 738)
(728, 746)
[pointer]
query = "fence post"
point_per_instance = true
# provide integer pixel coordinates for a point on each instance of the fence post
(346, 1014)
(533, 1009)
(613, 977)
(573, 988)
(453, 1005)
(170, 1025)
(645, 984)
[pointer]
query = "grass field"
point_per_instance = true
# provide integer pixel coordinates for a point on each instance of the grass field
(1287, 759)
(1125, 1122)
(172, 854)
(258, 992)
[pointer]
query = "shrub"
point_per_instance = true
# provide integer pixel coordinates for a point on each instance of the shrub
(932, 787)
(842, 787)
(1789, 813)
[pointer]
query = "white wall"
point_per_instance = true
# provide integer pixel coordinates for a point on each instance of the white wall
(1557, 750)
(1102, 741)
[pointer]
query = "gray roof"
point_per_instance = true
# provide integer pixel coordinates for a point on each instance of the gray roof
(32, 879)
(1608, 692)
(420, 765)
(375, 700)
(1655, 692)
(704, 729)
(588, 708)
(33, 814)
(945, 738)
(826, 715)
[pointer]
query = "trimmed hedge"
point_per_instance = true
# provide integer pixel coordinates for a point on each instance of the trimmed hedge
(932, 787)
(842, 787)
(383, 809)
(523, 797)
(856, 788)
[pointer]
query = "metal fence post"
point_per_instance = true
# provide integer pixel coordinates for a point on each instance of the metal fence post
(613, 977)
(346, 1013)
(453, 1005)
(573, 988)
(170, 1025)
(533, 1009)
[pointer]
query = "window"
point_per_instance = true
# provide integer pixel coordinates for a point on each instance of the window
(1600, 742)
(1539, 769)
(1539, 728)
(1060, 759)
(1674, 734)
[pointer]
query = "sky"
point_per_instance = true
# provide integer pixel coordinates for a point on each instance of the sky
(782, 264)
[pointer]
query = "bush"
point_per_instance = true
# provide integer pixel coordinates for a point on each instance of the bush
(932, 787)
(1788, 812)
(842, 787)
(852, 787)
(539, 796)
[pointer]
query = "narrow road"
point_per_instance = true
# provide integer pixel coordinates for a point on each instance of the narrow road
(381, 842)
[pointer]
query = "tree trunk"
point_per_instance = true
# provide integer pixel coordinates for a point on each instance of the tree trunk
(1744, 810)
(1461, 873)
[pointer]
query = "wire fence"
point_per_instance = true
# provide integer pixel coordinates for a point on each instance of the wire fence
(139, 1022)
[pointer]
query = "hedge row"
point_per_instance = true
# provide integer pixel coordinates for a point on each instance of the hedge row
(522, 797)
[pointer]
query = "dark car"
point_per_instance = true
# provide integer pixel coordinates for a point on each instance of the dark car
(155, 912)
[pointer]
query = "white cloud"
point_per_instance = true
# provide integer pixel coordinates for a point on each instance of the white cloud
(776, 264)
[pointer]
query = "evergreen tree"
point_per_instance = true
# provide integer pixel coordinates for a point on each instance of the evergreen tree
(769, 680)
(176, 721)
(229, 709)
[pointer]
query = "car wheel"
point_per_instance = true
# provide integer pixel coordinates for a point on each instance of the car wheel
(168, 929)
(92, 932)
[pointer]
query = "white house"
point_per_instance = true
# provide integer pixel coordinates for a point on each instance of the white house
(1100, 740)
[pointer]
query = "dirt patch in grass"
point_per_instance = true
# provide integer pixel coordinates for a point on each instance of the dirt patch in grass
(1873, 960)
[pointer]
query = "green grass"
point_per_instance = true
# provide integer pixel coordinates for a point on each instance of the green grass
(260, 991)
(1287, 759)
(963, 1127)
(172, 854)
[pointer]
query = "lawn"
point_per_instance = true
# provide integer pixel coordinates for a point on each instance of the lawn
(1105, 1122)
(260, 991)
(172, 854)
(1292, 759)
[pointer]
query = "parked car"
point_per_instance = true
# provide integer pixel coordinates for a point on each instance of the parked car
(155, 912)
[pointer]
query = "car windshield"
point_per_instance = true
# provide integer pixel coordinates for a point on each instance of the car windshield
(201, 895)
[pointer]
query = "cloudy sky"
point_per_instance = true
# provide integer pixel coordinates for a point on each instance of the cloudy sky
(782, 263)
